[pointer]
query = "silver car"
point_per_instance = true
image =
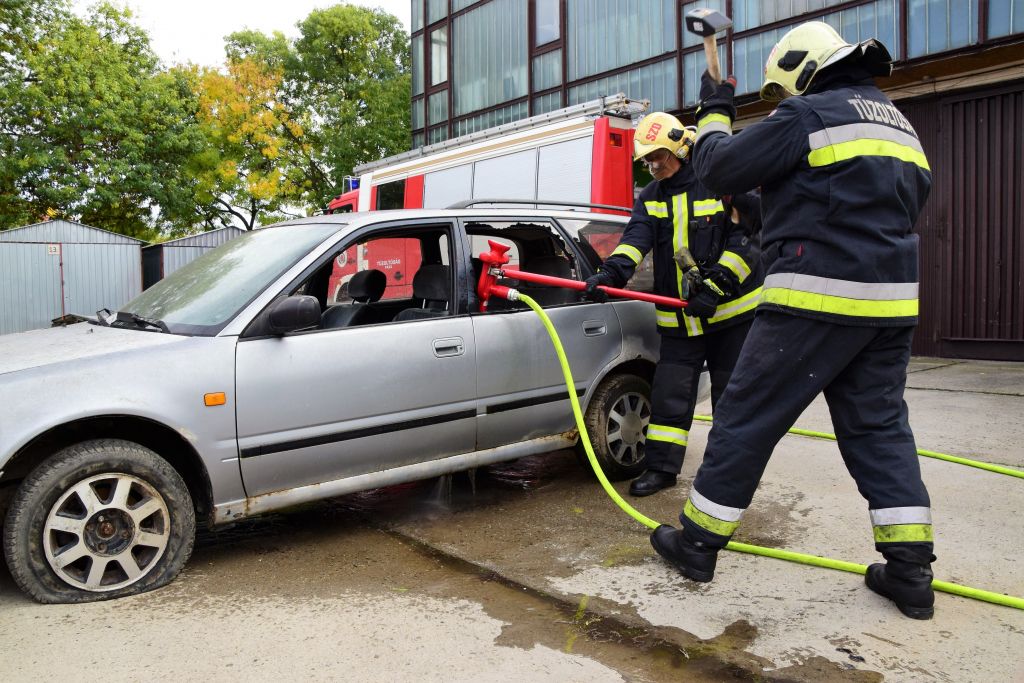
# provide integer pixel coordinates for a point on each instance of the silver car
(304, 360)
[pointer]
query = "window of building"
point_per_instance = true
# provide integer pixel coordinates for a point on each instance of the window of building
(748, 14)
(439, 56)
(547, 70)
(438, 107)
(495, 117)
(437, 134)
(542, 104)
(608, 34)
(656, 82)
(417, 15)
(489, 55)
(694, 65)
(1005, 17)
(547, 26)
(417, 65)
(417, 114)
(939, 25)
(436, 10)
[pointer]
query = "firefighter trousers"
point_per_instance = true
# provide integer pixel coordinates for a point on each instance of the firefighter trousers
(786, 362)
(676, 383)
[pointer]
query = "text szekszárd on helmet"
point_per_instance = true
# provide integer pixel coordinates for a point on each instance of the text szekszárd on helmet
(662, 131)
(810, 48)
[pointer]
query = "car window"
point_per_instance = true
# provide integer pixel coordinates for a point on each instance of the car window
(385, 277)
(598, 239)
(204, 295)
(535, 246)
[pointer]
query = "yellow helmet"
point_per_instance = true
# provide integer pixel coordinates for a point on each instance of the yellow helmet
(809, 48)
(662, 131)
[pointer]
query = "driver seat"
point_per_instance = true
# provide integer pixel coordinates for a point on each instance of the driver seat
(365, 287)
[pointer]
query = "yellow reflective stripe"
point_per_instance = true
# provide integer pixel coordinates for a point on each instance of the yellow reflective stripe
(631, 252)
(844, 151)
(666, 319)
(667, 434)
(657, 209)
(731, 309)
(706, 521)
(737, 265)
(903, 533)
(694, 328)
(826, 303)
(680, 234)
(714, 123)
(707, 207)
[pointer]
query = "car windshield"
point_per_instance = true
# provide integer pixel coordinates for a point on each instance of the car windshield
(204, 295)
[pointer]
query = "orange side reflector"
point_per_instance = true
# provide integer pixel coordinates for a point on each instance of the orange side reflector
(615, 139)
(217, 399)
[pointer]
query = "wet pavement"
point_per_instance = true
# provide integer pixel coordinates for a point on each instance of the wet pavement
(526, 571)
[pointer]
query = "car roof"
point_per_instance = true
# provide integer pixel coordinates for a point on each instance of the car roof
(368, 217)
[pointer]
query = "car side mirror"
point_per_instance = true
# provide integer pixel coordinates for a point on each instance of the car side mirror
(294, 313)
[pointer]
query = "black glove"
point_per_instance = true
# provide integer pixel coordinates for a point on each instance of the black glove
(716, 98)
(702, 305)
(592, 293)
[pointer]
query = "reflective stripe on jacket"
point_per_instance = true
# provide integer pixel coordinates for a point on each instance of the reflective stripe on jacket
(843, 178)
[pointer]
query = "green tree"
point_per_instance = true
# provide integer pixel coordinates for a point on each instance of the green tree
(347, 77)
(92, 129)
(245, 171)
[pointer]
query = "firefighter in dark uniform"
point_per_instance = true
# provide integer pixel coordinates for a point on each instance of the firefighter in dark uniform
(843, 178)
(701, 255)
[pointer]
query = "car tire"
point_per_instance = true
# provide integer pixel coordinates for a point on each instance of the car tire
(98, 520)
(616, 419)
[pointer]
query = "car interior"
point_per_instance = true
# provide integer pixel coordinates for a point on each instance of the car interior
(374, 286)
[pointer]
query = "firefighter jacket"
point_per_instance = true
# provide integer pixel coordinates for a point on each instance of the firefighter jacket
(843, 178)
(677, 213)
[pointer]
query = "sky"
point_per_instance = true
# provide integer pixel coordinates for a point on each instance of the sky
(194, 30)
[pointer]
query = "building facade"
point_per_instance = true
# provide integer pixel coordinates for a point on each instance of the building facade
(959, 78)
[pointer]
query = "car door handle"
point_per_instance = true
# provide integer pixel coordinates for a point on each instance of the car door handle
(450, 346)
(594, 328)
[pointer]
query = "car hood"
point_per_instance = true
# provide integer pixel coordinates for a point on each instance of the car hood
(36, 348)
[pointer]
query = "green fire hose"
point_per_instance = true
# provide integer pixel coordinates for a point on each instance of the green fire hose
(944, 586)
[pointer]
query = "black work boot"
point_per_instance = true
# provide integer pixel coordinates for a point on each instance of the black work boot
(650, 482)
(694, 559)
(908, 584)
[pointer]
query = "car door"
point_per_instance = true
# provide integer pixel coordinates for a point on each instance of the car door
(521, 389)
(327, 404)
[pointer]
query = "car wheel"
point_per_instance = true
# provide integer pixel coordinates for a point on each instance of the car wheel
(98, 520)
(616, 418)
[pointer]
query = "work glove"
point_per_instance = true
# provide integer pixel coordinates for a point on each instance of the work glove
(592, 293)
(716, 98)
(702, 305)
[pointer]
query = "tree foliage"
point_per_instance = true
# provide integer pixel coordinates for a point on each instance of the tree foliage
(92, 129)
(347, 77)
(246, 171)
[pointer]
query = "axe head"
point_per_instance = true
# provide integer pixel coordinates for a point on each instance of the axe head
(706, 22)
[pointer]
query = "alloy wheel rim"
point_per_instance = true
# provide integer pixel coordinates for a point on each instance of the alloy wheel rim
(627, 421)
(106, 532)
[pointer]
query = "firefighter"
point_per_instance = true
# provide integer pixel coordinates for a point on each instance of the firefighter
(701, 253)
(843, 178)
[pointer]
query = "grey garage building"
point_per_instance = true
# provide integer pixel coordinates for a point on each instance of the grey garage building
(57, 268)
(160, 260)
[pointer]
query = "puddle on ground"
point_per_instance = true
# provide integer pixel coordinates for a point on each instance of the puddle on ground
(370, 542)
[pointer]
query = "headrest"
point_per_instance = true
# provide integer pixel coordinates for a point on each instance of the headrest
(431, 282)
(555, 266)
(367, 286)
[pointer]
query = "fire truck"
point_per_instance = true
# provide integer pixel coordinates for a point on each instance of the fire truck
(581, 154)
